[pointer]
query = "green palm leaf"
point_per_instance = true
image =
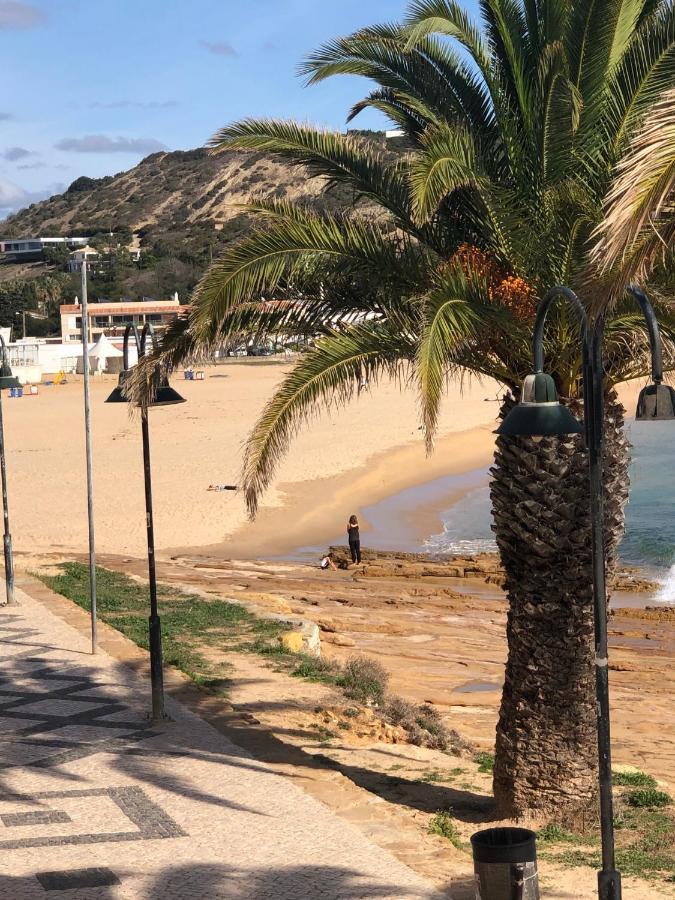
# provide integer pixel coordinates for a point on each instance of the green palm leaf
(328, 375)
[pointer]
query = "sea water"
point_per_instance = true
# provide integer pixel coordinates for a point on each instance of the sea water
(650, 515)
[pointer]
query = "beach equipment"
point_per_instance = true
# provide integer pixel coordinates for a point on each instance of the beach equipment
(164, 395)
(540, 414)
(505, 864)
(104, 356)
(7, 380)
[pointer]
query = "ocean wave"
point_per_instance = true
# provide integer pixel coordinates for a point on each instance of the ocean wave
(444, 543)
(666, 593)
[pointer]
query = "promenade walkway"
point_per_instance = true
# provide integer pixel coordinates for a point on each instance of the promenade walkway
(95, 803)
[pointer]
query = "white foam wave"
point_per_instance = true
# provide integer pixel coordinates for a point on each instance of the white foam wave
(666, 593)
(443, 543)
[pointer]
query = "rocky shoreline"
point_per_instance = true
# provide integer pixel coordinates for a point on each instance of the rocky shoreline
(484, 567)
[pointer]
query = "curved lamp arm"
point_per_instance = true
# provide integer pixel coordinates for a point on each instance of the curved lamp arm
(542, 311)
(148, 331)
(127, 333)
(655, 345)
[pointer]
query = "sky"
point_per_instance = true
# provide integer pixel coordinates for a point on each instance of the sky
(90, 87)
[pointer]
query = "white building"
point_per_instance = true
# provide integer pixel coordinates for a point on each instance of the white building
(112, 318)
(28, 249)
(78, 257)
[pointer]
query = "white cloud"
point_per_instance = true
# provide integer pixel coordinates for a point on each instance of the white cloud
(220, 48)
(13, 197)
(15, 15)
(102, 143)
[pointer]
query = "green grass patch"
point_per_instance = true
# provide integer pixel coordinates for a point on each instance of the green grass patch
(648, 798)
(553, 833)
(486, 762)
(633, 779)
(444, 825)
(191, 624)
(645, 835)
(433, 776)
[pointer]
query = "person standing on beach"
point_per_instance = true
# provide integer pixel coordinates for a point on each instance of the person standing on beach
(354, 539)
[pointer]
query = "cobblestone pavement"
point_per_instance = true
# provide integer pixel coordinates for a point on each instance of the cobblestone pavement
(96, 803)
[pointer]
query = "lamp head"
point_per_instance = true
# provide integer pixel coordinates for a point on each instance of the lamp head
(116, 396)
(165, 395)
(656, 402)
(540, 413)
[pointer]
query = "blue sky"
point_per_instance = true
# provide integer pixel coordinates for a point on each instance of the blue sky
(90, 87)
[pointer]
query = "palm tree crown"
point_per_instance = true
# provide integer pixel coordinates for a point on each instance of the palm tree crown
(514, 129)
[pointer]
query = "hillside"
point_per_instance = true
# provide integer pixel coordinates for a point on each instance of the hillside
(171, 196)
(179, 209)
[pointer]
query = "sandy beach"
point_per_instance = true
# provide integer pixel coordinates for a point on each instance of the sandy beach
(339, 464)
(342, 462)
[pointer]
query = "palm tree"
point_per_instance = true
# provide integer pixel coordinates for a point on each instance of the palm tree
(514, 127)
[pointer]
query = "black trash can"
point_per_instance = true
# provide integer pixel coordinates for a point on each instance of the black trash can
(505, 863)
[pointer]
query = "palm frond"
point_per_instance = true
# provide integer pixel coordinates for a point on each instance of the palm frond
(640, 207)
(448, 161)
(328, 374)
(456, 315)
(337, 157)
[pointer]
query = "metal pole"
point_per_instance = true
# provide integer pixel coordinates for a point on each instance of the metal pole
(609, 879)
(156, 674)
(7, 538)
(88, 453)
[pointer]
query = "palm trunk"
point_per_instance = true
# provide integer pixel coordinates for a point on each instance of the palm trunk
(546, 750)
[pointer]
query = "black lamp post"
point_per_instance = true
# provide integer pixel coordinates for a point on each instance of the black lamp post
(7, 380)
(540, 413)
(164, 396)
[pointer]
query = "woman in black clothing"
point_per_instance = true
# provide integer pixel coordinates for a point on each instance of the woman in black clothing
(354, 539)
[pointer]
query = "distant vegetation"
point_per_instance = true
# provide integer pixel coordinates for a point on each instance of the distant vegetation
(183, 208)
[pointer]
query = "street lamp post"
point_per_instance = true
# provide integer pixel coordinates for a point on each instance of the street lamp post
(88, 456)
(540, 413)
(7, 380)
(164, 396)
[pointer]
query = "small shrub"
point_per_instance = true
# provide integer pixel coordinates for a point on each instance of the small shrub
(424, 725)
(443, 825)
(633, 779)
(399, 711)
(317, 668)
(364, 679)
(553, 833)
(649, 798)
(486, 762)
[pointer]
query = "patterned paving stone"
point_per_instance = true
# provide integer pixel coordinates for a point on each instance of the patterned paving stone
(99, 805)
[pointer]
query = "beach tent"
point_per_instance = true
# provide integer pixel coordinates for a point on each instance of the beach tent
(104, 356)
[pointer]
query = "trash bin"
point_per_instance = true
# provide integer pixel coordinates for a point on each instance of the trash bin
(505, 864)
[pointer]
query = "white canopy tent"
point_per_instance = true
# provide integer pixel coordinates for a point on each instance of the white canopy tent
(103, 357)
